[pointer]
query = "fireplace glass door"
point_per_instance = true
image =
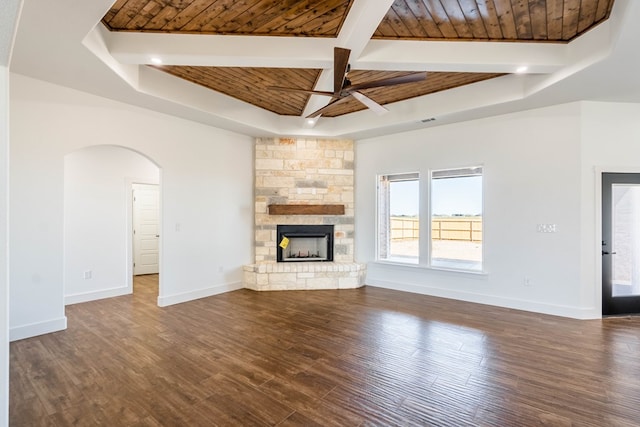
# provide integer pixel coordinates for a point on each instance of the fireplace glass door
(302, 243)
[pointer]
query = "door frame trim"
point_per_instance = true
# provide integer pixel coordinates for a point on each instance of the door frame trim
(599, 170)
(129, 182)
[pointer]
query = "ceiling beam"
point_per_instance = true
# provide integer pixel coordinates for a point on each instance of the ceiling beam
(452, 56)
(299, 52)
(361, 23)
(220, 51)
(362, 20)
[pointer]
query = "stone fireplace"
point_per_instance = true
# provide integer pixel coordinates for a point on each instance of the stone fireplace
(304, 186)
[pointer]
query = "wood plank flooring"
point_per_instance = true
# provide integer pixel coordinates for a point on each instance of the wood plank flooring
(364, 357)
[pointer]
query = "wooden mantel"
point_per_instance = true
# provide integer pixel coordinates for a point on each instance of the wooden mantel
(306, 209)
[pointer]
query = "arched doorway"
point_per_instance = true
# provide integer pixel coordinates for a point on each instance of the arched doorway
(98, 255)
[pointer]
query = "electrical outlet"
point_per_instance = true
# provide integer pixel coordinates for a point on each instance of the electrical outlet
(87, 274)
(528, 282)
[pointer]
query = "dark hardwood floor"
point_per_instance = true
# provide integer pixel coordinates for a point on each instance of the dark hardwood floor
(369, 356)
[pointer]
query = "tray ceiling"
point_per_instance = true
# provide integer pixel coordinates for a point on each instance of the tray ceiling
(550, 21)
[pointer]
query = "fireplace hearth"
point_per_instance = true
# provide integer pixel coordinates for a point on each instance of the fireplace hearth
(304, 243)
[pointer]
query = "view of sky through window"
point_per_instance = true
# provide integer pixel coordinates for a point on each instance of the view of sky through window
(452, 196)
(404, 198)
(457, 196)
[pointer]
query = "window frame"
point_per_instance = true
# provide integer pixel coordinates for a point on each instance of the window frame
(429, 253)
(408, 176)
(425, 218)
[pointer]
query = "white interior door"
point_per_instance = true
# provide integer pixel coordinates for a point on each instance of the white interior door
(146, 229)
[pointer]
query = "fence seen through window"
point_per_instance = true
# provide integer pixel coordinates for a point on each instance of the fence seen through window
(456, 233)
(398, 205)
(456, 218)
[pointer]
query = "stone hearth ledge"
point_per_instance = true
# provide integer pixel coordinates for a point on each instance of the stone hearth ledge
(281, 276)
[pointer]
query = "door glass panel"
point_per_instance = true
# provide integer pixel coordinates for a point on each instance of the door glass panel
(626, 240)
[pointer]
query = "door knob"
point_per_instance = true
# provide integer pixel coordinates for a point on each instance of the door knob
(608, 253)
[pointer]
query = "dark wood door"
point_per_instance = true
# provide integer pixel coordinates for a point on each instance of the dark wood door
(620, 243)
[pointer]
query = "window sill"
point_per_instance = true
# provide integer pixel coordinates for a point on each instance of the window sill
(461, 272)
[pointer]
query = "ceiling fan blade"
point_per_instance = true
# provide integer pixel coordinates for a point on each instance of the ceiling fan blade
(370, 103)
(289, 89)
(340, 64)
(392, 81)
(327, 107)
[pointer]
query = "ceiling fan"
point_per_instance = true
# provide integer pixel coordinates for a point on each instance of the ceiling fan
(343, 90)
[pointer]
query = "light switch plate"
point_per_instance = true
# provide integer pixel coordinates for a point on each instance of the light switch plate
(547, 228)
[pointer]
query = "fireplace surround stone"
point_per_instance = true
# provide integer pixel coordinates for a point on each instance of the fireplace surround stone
(299, 171)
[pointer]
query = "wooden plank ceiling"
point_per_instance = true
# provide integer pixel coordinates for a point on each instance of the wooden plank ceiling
(544, 21)
(248, 17)
(251, 84)
(492, 20)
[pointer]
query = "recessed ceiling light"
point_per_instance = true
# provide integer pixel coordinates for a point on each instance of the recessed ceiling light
(522, 69)
(156, 60)
(311, 122)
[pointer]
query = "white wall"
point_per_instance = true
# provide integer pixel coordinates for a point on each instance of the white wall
(4, 252)
(206, 215)
(610, 143)
(532, 175)
(8, 24)
(97, 219)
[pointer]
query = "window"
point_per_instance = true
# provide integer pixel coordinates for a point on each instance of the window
(456, 219)
(456, 203)
(398, 207)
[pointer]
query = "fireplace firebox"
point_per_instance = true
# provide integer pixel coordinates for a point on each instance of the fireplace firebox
(304, 243)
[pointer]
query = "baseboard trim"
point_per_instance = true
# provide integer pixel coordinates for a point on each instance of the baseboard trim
(96, 295)
(164, 301)
(39, 328)
(524, 305)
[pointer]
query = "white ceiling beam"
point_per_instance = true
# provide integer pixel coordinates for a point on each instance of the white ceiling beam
(301, 52)
(220, 51)
(361, 22)
(408, 55)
